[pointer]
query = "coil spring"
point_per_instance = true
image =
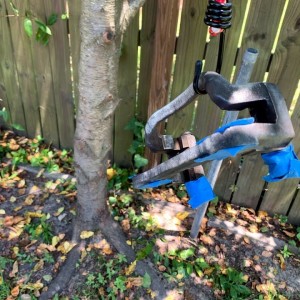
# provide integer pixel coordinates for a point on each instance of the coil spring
(218, 15)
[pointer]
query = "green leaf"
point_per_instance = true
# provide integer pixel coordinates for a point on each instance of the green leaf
(47, 278)
(185, 254)
(4, 114)
(43, 27)
(28, 27)
(264, 229)
(146, 281)
(52, 19)
(17, 127)
(65, 16)
(140, 161)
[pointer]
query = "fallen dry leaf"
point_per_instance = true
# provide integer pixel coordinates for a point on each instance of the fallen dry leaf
(289, 234)
(281, 260)
(14, 270)
(39, 265)
(65, 247)
(134, 281)
(266, 253)
(182, 215)
(15, 291)
(130, 269)
(246, 240)
(86, 234)
(207, 240)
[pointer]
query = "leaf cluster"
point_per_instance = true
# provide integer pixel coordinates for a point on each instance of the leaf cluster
(43, 31)
(137, 147)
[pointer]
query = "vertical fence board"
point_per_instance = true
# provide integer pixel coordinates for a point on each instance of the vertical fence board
(147, 35)
(232, 37)
(61, 74)
(285, 72)
(24, 65)
(294, 216)
(259, 30)
(9, 85)
(250, 183)
(43, 80)
(164, 44)
(260, 33)
(280, 194)
(284, 69)
(190, 47)
(208, 115)
(74, 7)
(127, 94)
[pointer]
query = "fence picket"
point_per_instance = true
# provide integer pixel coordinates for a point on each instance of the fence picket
(190, 47)
(9, 82)
(164, 45)
(127, 93)
(43, 79)
(24, 64)
(259, 31)
(287, 51)
(147, 35)
(74, 27)
(61, 74)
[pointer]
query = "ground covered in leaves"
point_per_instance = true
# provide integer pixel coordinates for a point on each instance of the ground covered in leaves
(239, 253)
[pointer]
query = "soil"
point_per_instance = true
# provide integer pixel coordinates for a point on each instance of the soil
(231, 238)
(218, 243)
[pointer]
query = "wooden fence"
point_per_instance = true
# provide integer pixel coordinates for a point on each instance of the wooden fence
(38, 84)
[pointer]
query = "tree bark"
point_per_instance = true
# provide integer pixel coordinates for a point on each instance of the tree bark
(97, 101)
(101, 27)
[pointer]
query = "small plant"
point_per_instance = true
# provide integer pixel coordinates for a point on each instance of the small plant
(298, 233)
(137, 148)
(6, 117)
(232, 283)
(43, 31)
(281, 218)
(39, 229)
(109, 282)
(4, 286)
(285, 252)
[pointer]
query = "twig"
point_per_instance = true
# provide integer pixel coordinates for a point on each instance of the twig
(129, 10)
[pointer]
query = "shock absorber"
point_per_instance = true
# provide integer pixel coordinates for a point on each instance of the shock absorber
(218, 16)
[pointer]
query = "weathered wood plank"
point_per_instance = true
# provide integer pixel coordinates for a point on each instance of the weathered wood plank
(208, 116)
(232, 37)
(280, 194)
(190, 47)
(284, 69)
(164, 44)
(43, 79)
(61, 74)
(286, 73)
(259, 31)
(250, 183)
(24, 65)
(9, 82)
(294, 215)
(147, 34)
(74, 7)
(127, 93)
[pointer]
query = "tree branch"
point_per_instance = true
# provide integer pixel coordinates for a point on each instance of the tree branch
(129, 10)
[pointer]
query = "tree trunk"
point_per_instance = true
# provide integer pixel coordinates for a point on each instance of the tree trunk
(99, 59)
(102, 23)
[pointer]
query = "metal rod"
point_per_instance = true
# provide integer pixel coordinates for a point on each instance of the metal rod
(248, 62)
